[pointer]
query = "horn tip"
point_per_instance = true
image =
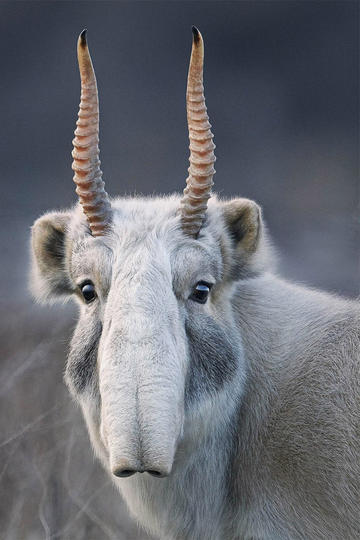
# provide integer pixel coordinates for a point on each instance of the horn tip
(82, 37)
(196, 34)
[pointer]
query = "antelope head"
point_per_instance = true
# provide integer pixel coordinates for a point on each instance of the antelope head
(155, 348)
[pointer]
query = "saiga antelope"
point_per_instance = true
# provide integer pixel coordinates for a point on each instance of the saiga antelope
(233, 391)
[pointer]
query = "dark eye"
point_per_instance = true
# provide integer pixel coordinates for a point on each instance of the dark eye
(201, 292)
(88, 291)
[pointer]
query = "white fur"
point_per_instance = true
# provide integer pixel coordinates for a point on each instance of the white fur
(274, 452)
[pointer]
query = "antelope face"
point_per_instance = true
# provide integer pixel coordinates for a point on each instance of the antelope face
(155, 341)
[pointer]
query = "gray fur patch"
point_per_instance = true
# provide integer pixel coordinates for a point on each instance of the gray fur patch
(81, 372)
(213, 357)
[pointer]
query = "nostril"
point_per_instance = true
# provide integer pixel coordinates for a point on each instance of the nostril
(123, 473)
(156, 473)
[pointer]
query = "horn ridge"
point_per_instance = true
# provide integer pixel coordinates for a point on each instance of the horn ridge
(86, 164)
(193, 205)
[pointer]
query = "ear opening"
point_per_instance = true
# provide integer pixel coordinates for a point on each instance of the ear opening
(49, 279)
(246, 233)
(243, 221)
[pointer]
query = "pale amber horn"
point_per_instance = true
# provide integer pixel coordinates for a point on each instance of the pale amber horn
(202, 158)
(88, 176)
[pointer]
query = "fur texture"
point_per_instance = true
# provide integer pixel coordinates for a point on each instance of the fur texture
(249, 403)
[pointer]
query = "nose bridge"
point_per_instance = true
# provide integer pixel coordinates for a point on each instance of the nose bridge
(140, 379)
(118, 401)
(141, 305)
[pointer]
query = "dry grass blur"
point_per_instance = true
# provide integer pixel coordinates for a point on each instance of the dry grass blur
(51, 485)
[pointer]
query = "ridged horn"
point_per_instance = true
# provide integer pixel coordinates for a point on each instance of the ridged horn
(202, 158)
(86, 164)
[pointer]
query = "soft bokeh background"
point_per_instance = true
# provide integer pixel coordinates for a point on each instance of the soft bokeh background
(282, 91)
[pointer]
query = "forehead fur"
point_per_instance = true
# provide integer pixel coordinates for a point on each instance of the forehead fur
(150, 214)
(145, 228)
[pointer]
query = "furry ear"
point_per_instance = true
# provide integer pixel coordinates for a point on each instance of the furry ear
(245, 228)
(49, 277)
(243, 220)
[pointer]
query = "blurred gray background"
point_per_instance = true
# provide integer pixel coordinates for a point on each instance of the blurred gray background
(282, 87)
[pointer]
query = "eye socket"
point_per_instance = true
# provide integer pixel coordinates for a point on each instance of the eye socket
(88, 291)
(201, 292)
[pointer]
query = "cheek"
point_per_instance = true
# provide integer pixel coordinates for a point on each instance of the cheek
(91, 408)
(81, 368)
(81, 377)
(213, 357)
